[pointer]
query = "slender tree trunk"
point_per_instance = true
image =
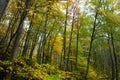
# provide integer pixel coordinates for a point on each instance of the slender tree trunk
(51, 50)
(17, 38)
(24, 53)
(70, 39)
(77, 44)
(34, 44)
(90, 49)
(33, 47)
(3, 6)
(61, 60)
(64, 36)
(106, 62)
(39, 50)
(44, 39)
(111, 58)
(44, 34)
(12, 20)
(52, 45)
(19, 30)
(11, 35)
(115, 56)
(48, 49)
(47, 57)
(25, 49)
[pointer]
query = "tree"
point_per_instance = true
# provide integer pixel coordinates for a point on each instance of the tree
(60, 40)
(18, 35)
(3, 6)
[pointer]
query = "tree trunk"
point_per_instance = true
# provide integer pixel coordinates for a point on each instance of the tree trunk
(39, 50)
(64, 36)
(70, 39)
(90, 49)
(3, 6)
(13, 20)
(52, 45)
(106, 62)
(24, 52)
(10, 28)
(18, 36)
(34, 44)
(111, 58)
(115, 56)
(77, 44)
(44, 39)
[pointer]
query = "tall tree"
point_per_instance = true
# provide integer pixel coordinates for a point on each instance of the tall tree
(115, 56)
(64, 35)
(70, 39)
(19, 30)
(18, 35)
(90, 49)
(44, 36)
(3, 6)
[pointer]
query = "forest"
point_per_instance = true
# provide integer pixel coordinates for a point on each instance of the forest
(59, 39)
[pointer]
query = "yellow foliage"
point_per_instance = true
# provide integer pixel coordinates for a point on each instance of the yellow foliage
(92, 75)
(70, 2)
(103, 12)
(58, 44)
(111, 17)
(3, 29)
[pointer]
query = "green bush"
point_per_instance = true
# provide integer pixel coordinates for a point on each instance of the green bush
(5, 68)
(29, 69)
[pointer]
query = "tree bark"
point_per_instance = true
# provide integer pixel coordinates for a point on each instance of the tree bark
(24, 52)
(77, 45)
(90, 49)
(111, 58)
(34, 44)
(44, 34)
(64, 36)
(44, 39)
(11, 35)
(70, 39)
(18, 36)
(3, 6)
(115, 56)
